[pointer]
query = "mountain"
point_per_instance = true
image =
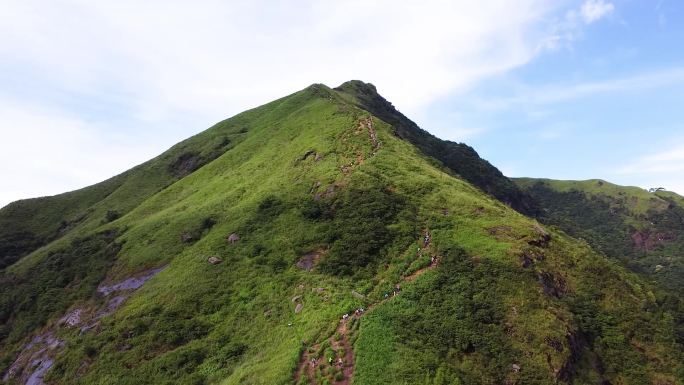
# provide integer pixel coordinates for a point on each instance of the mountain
(321, 238)
(642, 230)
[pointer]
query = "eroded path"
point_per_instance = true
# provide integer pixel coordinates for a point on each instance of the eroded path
(333, 358)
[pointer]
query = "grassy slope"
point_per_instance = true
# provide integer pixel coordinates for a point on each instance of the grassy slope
(28, 224)
(469, 320)
(457, 157)
(643, 230)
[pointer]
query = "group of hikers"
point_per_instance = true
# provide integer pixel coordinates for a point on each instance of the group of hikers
(394, 291)
(357, 313)
(338, 362)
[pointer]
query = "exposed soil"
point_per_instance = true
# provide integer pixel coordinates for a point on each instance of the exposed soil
(648, 241)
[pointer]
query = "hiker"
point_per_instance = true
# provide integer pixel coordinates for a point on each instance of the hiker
(432, 260)
(339, 361)
(344, 317)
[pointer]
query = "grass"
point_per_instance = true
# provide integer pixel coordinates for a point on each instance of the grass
(467, 321)
(613, 218)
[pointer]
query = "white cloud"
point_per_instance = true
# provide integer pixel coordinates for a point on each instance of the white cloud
(661, 169)
(48, 151)
(535, 96)
(667, 161)
(230, 55)
(594, 10)
(76, 67)
(564, 32)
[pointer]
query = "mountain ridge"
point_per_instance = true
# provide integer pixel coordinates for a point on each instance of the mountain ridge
(317, 209)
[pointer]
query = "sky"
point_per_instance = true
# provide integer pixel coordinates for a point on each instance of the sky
(560, 89)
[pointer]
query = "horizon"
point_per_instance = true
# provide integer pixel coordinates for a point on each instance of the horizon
(570, 90)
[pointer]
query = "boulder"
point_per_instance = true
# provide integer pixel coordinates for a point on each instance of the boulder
(187, 238)
(233, 238)
(298, 308)
(214, 260)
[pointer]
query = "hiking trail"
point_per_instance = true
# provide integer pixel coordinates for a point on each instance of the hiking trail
(338, 368)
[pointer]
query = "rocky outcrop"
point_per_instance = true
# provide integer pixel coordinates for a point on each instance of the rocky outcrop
(309, 260)
(553, 285)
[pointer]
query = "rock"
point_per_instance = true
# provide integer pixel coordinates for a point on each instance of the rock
(129, 283)
(330, 191)
(296, 298)
(658, 268)
(308, 154)
(309, 260)
(71, 319)
(298, 308)
(553, 284)
(318, 290)
(542, 237)
(315, 187)
(233, 238)
(318, 157)
(554, 343)
(525, 261)
(187, 238)
(515, 368)
(214, 260)
(358, 295)
(185, 164)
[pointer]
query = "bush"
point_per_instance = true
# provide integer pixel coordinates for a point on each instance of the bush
(360, 228)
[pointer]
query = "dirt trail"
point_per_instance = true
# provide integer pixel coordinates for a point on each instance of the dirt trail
(344, 363)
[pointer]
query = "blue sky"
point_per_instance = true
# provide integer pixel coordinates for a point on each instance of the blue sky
(568, 89)
(606, 103)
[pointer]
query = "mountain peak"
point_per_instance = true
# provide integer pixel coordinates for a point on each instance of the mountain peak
(351, 86)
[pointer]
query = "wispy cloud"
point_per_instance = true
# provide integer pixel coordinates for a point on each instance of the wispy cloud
(563, 32)
(670, 160)
(663, 168)
(549, 94)
(594, 10)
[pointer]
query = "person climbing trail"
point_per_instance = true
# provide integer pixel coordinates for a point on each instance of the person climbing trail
(342, 359)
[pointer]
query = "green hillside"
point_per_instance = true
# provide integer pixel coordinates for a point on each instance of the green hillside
(643, 230)
(236, 267)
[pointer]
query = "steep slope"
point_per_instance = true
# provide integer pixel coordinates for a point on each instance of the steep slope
(644, 230)
(241, 272)
(458, 157)
(29, 224)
